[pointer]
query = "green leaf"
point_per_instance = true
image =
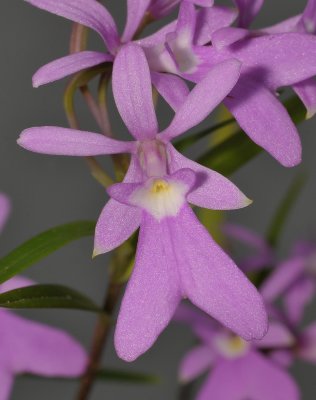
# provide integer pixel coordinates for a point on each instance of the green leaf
(47, 296)
(41, 246)
(126, 376)
(237, 150)
(284, 209)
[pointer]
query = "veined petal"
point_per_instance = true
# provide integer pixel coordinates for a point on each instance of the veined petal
(253, 377)
(298, 297)
(136, 10)
(132, 92)
(70, 142)
(212, 190)
(265, 120)
(161, 8)
(195, 363)
(285, 275)
(172, 88)
(5, 208)
(212, 281)
(42, 349)
(248, 9)
(277, 336)
(117, 222)
(209, 20)
(153, 291)
(203, 98)
(158, 37)
(89, 13)
(68, 65)
(306, 91)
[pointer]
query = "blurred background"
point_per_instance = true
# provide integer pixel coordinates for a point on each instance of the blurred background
(46, 191)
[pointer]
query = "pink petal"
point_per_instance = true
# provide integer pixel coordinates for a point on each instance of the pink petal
(6, 383)
(265, 120)
(132, 92)
(306, 91)
(70, 142)
(205, 96)
(117, 222)
(248, 9)
(152, 294)
(307, 350)
(288, 25)
(209, 20)
(136, 10)
(16, 283)
(172, 88)
(283, 358)
(5, 208)
(308, 20)
(285, 275)
(195, 363)
(161, 8)
(298, 297)
(227, 36)
(249, 377)
(68, 65)
(212, 190)
(212, 281)
(89, 13)
(157, 38)
(42, 349)
(277, 336)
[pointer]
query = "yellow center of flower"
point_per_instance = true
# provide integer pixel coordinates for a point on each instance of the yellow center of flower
(159, 186)
(236, 344)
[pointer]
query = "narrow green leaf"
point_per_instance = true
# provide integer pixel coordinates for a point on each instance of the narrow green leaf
(237, 150)
(47, 296)
(126, 376)
(41, 246)
(113, 375)
(284, 209)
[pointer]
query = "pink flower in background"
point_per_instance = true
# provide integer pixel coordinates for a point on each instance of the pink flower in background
(175, 257)
(31, 347)
(269, 61)
(239, 370)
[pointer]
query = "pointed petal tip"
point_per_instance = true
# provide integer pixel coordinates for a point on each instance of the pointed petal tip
(96, 252)
(310, 113)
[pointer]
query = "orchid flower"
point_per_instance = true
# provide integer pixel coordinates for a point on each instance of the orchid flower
(269, 62)
(175, 256)
(239, 370)
(30, 347)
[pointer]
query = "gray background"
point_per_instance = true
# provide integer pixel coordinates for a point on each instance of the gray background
(47, 191)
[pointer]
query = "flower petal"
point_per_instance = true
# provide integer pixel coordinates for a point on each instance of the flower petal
(306, 91)
(152, 294)
(298, 297)
(210, 20)
(195, 363)
(132, 92)
(161, 8)
(288, 25)
(285, 275)
(307, 350)
(212, 281)
(172, 88)
(91, 14)
(5, 208)
(265, 120)
(117, 222)
(70, 142)
(6, 383)
(136, 10)
(203, 98)
(249, 377)
(211, 190)
(226, 36)
(277, 336)
(68, 65)
(15, 283)
(248, 9)
(42, 349)
(308, 20)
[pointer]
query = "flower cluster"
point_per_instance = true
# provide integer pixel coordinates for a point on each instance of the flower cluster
(212, 48)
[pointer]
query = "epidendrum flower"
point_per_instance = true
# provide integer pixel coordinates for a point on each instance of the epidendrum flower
(175, 257)
(31, 347)
(269, 62)
(239, 369)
